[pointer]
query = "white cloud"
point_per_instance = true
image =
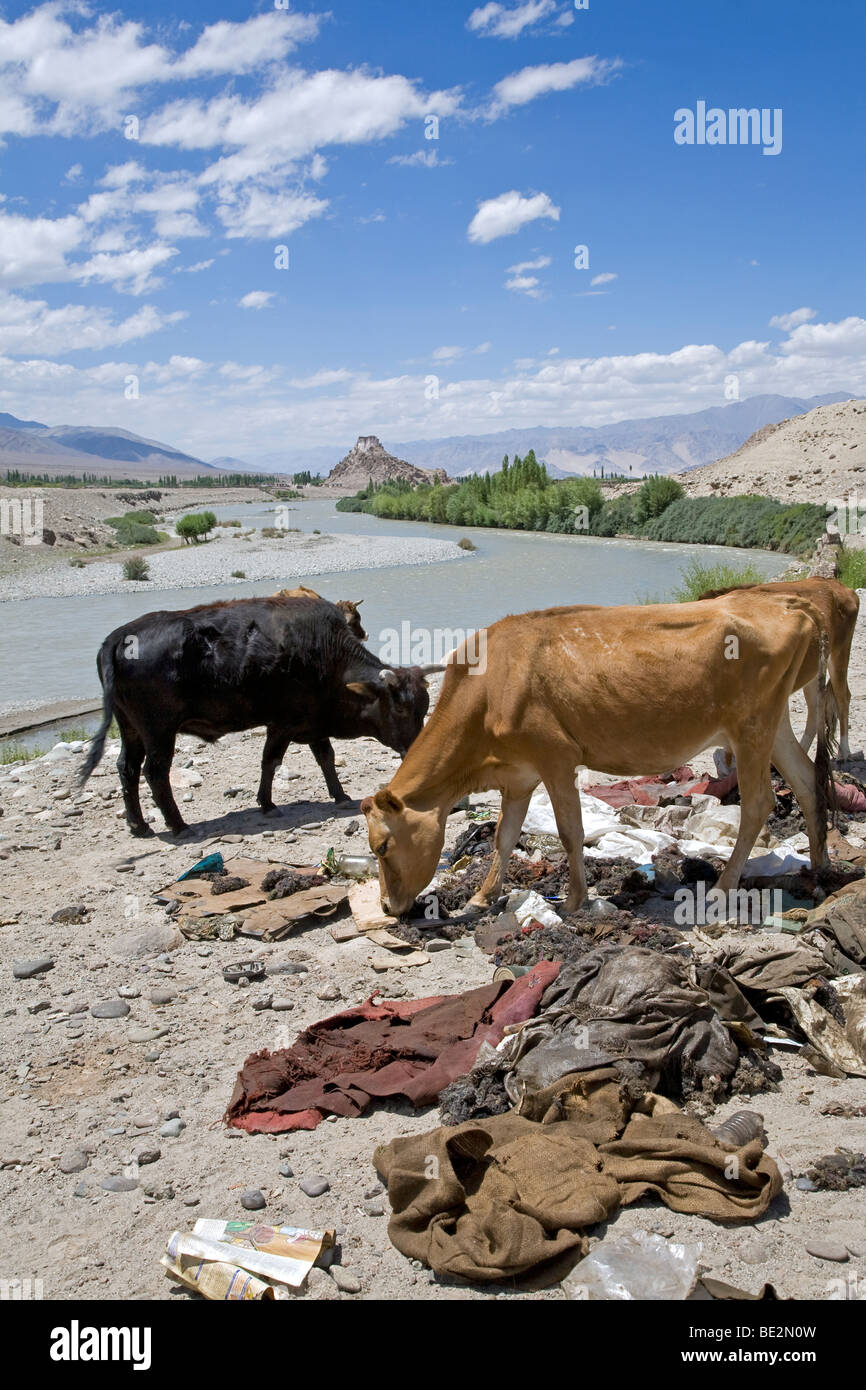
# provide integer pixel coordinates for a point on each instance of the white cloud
(29, 326)
(193, 269)
(524, 284)
(499, 22)
(603, 279)
(421, 159)
(130, 271)
(256, 299)
(88, 73)
(524, 86)
(243, 408)
(261, 214)
(506, 214)
(827, 339)
(522, 266)
(448, 354)
(35, 250)
(73, 173)
(324, 377)
(793, 320)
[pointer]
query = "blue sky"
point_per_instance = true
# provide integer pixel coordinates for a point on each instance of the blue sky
(431, 286)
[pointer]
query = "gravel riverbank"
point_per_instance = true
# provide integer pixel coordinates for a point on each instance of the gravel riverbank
(284, 559)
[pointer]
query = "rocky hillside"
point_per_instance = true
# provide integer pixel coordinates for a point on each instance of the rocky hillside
(814, 457)
(370, 459)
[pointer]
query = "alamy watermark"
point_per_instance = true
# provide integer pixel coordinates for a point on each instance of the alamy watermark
(736, 126)
(433, 646)
(24, 517)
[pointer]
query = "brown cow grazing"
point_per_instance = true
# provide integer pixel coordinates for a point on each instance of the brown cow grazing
(838, 606)
(346, 606)
(619, 690)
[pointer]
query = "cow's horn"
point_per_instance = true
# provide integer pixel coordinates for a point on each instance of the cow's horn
(428, 670)
(388, 676)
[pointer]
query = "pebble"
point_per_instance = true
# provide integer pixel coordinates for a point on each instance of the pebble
(374, 1207)
(286, 1170)
(119, 1184)
(26, 969)
(76, 913)
(152, 1056)
(437, 943)
(329, 992)
(281, 1005)
(139, 1033)
(129, 992)
(253, 1199)
(346, 1282)
(162, 996)
(110, 1008)
(82, 1190)
(807, 1185)
(73, 1161)
(755, 1250)
(375, 1191)
(314, 1187)
(264, 1001)
(172, 1128)
(151, 1155)
(827, 1250)
(144, 1121)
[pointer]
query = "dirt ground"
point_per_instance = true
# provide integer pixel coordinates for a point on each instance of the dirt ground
(74, 1086)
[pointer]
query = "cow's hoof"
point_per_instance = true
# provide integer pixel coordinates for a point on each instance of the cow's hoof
(142, 831)
(270, 810)
(480, 903)
(343, 801)
(180, 832)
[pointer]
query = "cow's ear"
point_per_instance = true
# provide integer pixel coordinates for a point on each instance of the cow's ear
(365, 688)
(366, 805)
(387, 801)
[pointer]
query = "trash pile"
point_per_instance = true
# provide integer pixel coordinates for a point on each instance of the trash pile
(237, 1261)
(581, 1078)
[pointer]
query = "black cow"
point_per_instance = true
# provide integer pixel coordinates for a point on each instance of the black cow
(290, 664)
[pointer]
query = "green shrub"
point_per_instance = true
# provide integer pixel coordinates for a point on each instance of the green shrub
(136, 567)
(654, 496)
(238, 574)
(195, 525)
(13, 752)
(697, 577)
(749, 522)
(466, 544)
(131, 533)
(851, 568)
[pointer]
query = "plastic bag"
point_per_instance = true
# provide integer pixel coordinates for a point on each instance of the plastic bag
(635, 1267)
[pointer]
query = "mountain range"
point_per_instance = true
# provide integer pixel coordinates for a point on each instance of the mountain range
(658, 444)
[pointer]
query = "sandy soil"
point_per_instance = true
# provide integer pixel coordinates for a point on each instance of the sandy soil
(72, 1082)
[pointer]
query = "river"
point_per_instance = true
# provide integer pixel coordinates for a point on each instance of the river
(49, 645)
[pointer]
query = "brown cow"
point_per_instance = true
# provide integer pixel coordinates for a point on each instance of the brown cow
(347, 607)
(619, 690)
(838, 606)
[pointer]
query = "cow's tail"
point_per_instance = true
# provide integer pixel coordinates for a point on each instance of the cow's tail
(825, 787)
(97, 746)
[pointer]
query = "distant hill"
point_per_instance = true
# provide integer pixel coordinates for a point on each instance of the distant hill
(56, 450)
(657, 444)
(819, 456)
(367, 460)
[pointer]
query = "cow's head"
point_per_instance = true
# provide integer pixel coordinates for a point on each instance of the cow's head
(407, 845)
(349, 609)
(392, 708)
